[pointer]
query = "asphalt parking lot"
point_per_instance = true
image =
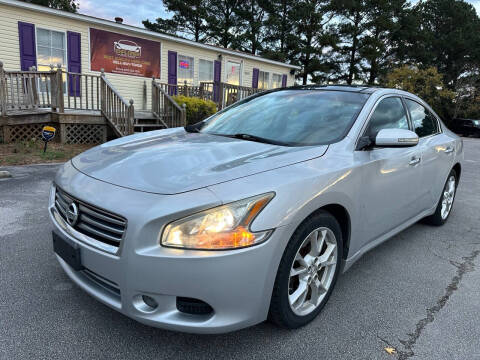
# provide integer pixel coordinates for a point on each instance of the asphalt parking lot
(419, 293)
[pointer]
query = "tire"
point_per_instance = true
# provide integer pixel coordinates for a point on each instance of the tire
(439, 217)
(321, 225)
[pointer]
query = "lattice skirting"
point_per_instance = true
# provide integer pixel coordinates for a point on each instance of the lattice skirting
(84, 133)
(66, 133)
(23, 132)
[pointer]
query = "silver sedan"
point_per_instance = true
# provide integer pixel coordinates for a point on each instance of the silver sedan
(254, 212)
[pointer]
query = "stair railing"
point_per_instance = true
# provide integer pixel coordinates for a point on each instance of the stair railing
(115, 108)
(165, 108)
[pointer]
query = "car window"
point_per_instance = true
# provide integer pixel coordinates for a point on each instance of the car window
(300, 117)
(389, 114)
(424, 122)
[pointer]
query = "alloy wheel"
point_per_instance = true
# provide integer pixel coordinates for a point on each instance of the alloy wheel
(312, 271)
(448, 197)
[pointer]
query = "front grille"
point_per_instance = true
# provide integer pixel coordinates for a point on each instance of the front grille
(92, 221)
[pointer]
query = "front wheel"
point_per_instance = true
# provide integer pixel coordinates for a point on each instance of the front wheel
(445, 204)
(308, 271)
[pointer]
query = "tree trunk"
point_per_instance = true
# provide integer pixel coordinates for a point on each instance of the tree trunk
(353, 52)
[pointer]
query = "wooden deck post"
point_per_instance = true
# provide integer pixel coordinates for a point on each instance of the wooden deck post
(102, 90)
(3, 91)
(144, 97)
(131, 115)
(33, 87)
(60, 100)
(184, 114)
(53, 88)
(154, 100)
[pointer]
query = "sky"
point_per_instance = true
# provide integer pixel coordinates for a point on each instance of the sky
(134, 11)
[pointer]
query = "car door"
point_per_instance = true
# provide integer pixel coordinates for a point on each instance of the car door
(391, 176)
(437, 152)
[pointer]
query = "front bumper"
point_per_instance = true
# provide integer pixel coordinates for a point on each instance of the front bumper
(237, 284)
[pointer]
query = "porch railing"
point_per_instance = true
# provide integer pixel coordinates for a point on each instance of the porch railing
(165, 108)
(223, 94)
(115, 108)
(19, 90)
(59, 90)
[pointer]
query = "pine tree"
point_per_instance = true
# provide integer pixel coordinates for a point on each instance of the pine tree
(65, 5)
(189, 20)
(279, 37)
(381, 26)
(252, 16)
(223, 22)
(314, 37)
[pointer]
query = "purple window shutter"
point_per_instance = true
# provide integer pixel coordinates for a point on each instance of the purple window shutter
(28, 53)
(255, 78)
(172, 71)
(284, 80)
(74, 59)
(217, 70)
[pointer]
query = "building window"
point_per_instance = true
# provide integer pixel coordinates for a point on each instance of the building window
(185, 70)
(276, 81)
(205, 70)
(263, 80)
(233, 72)
(51, 50)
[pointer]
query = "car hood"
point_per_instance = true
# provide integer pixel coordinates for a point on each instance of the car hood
(173, 161)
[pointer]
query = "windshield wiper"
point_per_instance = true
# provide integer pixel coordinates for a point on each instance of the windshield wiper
(259, 139)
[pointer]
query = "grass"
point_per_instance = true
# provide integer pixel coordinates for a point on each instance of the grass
(31, 152)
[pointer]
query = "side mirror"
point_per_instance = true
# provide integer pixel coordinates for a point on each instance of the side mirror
(396, 138)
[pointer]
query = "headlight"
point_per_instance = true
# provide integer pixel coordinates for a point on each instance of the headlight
(223, 227)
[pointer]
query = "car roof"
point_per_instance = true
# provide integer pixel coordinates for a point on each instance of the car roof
(347, 88)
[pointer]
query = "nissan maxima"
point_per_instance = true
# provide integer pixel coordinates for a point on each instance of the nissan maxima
(253, 213)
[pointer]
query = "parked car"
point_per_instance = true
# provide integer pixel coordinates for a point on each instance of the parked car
(254, 212)
(466, 127)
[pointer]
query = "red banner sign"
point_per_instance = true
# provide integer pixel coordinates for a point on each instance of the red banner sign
(122, 54)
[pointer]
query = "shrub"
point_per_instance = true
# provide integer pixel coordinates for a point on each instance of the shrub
(197, 109)
(427, 84)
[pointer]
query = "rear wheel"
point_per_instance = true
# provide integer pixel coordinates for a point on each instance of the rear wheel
(445, 204)
(308, 271)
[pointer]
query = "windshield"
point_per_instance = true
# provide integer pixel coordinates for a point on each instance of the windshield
(292, 117)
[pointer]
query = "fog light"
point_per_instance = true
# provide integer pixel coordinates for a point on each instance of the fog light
(144, 303)
(149, 301)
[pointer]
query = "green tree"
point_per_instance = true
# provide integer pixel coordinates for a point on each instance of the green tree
(66, 5)
(427, 84)
(189, 20)
(223, 22)
(279, 39)
(351, 30)
(314, 37)
(378, 52)
(251, 17)
(448, 33)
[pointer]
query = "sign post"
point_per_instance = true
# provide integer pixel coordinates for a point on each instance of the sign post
(48, 133)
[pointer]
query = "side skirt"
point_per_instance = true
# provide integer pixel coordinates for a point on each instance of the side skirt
(372, 244)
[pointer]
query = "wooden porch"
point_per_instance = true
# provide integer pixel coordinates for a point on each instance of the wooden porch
(89, 109)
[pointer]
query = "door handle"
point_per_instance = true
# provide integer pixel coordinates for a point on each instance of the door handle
(414, 161)
(448, 150)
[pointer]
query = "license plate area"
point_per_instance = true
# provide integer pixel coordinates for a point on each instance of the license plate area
(69, 252)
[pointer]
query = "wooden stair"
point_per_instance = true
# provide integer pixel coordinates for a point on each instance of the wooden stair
(146, 121)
